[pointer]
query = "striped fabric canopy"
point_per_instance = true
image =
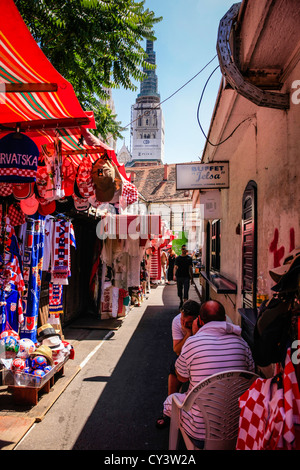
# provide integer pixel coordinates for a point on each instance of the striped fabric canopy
(33, 94)
(78, 142)
(35, 99)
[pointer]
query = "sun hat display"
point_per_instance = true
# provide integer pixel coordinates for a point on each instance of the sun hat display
(103, 176)
(45, 331)
(290, 261)
(43, 351)
(53, 342)
(29, 205)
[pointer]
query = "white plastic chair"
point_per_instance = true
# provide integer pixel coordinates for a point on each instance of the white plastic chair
(217, 397)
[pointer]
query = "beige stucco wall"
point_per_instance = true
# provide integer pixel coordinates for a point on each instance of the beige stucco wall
(264, 149)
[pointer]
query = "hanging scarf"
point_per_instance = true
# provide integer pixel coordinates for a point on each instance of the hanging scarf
(32, 272)
(55, 302)
(60, 269)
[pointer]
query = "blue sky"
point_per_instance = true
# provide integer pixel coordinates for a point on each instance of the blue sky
(186, 42)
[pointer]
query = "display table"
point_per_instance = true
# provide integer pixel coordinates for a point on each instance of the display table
(25, 388)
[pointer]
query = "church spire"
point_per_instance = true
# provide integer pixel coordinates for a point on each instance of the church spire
(149, 85)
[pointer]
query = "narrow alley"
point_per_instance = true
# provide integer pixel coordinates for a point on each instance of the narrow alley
(115, 399)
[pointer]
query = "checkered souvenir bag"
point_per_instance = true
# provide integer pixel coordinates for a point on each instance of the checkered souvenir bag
(129, 193)
(270, 408)
(291, 404)
(84, 178)
(5, 189)
(42, 177)
(16, 215)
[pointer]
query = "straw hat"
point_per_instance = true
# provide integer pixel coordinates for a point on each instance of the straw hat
(43, 351)
(45, 331)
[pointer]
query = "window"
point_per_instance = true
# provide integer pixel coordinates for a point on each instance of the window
(216, 245)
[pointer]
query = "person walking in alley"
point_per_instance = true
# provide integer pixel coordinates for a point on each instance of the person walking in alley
(214, 347)
(164, 260)
(170, 265)
(183, 275)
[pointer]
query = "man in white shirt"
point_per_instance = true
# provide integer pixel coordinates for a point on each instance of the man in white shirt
(181, 331)
(215, 346)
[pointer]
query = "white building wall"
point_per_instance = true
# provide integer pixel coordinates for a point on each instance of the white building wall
(148, 132)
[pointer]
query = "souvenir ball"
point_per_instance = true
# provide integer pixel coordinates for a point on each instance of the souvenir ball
(27, 370)
(9, 333)
(18, 364)
(26, 347)
(47, 369)
(10, 344)
(39, 374)
(39, 362)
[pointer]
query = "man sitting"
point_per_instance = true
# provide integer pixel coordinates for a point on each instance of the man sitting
(215, 346)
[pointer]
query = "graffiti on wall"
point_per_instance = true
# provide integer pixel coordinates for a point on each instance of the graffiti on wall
(279, 251)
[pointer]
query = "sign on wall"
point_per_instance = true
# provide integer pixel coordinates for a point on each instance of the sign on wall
(213, 175)
(210, 204)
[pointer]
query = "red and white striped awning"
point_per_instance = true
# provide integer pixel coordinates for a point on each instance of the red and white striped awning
(33, 95)
(35, 99)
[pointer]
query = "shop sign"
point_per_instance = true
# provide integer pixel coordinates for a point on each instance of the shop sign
(18, 158)
(213, 175)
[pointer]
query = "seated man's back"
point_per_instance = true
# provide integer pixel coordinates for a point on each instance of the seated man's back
(217, 346)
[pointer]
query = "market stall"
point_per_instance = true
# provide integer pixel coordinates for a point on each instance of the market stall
(51, 169)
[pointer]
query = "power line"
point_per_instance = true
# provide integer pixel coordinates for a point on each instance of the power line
(198, 118)
(169, 97)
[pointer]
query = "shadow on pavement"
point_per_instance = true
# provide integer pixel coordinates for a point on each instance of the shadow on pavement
(130, 403)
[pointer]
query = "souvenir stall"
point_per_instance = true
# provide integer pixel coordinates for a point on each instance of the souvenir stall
(154, 253)
(123, 256)
(51, 167)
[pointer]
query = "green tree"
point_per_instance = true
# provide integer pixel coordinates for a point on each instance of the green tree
(95, 45)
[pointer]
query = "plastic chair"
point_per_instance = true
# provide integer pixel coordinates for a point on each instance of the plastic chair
(217, 397)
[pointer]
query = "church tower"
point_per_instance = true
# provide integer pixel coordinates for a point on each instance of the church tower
(148, 127)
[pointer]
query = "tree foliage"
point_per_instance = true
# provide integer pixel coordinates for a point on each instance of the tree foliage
(95, 45)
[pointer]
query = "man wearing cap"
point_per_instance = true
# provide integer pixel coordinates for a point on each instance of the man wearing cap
(214, 347)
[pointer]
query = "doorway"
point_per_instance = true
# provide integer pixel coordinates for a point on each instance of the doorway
(249, 245)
